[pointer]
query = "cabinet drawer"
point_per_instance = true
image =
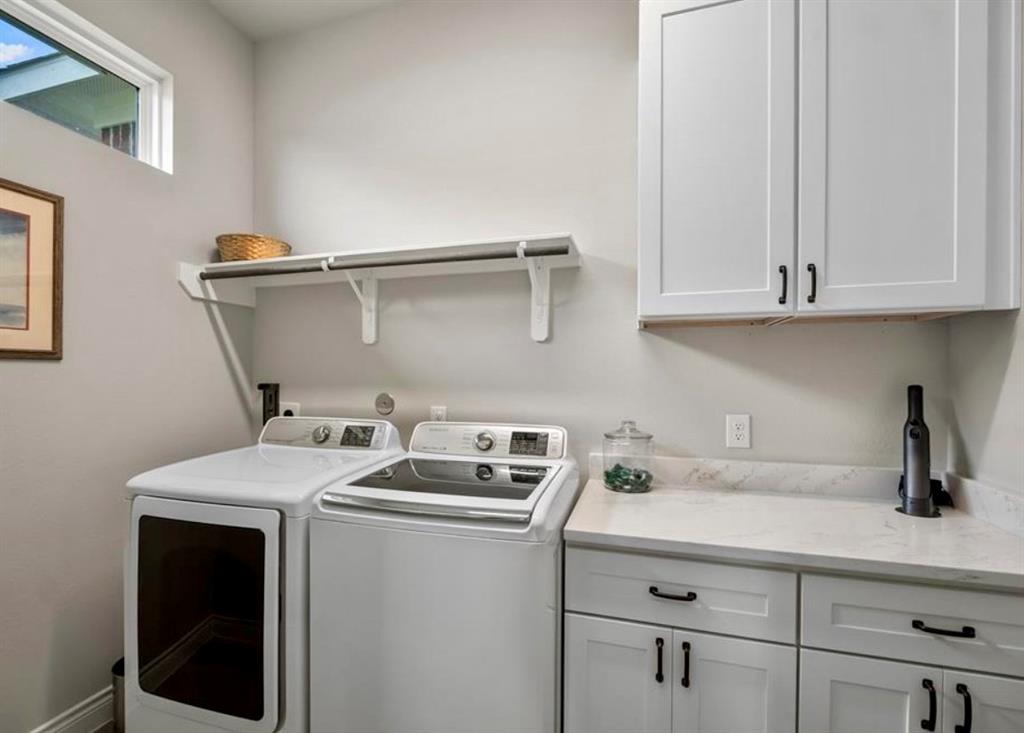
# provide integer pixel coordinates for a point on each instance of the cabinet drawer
(760, 604)
(881, 618)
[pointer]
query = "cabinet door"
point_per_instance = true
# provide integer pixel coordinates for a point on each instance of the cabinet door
(723, 685)
(892, 155)
(716, 158)
(845, 694)
(611, 677)
(995, 705)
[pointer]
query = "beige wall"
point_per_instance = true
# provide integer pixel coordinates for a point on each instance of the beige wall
(440, 121)
(143, 380)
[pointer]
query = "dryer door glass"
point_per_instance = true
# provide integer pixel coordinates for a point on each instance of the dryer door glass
(201, 614)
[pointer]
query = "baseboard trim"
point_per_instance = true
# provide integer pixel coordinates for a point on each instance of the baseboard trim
(88, 716)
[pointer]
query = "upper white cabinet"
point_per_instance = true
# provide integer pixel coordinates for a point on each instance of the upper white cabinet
(717, 156)
(892, 154)
(828, 157)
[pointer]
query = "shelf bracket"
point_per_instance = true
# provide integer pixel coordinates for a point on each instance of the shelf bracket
(367, 293)
(540, 295)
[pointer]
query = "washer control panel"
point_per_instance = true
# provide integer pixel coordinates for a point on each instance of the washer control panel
(497, 441)
(327, 432)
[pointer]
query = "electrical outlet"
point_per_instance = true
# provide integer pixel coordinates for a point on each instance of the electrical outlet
(737, 431)
(290, 409)
(438, 413)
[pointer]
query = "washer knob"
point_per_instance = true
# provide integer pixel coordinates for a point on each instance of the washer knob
(484, 472)
(484, 441)
(321, 433)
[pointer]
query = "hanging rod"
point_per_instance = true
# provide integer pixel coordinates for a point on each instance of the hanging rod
(503, 251)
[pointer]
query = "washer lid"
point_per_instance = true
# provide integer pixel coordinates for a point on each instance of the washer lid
(448, 489)
(267, 475)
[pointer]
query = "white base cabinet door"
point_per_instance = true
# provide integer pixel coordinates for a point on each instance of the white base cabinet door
(840, 693)
(724, 685)
(612, 675)
(975, 703)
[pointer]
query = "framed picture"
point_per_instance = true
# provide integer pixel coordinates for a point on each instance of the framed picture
(31, 253)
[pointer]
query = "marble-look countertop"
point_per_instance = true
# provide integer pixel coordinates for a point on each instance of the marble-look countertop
(857, 534)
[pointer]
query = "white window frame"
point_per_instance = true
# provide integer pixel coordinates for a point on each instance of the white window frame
(156, 86)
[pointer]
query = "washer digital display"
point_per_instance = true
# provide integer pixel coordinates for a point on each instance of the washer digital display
(357, 436)
(529, 444)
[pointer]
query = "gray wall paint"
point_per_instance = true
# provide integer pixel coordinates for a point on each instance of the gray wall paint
(986, 354)
(433, 122)
(143, 381)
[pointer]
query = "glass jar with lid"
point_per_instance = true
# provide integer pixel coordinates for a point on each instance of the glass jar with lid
(627, 459)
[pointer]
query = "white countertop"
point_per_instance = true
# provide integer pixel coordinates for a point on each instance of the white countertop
(859, 535)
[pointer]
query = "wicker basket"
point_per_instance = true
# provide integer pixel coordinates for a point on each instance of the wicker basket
(250, 247)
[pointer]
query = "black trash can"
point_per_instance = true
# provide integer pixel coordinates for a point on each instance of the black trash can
(117, 671)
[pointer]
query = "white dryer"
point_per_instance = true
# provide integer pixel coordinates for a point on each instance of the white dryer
(435, 586)
(216, 578)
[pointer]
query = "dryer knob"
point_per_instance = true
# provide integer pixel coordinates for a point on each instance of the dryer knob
(321, 433)
(484, 472)
(484, 441)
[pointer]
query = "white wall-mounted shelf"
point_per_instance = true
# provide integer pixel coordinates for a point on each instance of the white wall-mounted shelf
(236, 282)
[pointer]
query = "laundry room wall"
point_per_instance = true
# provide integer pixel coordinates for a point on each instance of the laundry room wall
(144, 379)
(987, 386)
(428, 122)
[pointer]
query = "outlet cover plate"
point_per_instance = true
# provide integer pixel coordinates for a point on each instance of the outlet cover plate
(737, 431)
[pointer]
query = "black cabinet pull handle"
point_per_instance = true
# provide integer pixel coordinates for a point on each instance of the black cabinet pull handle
(686, 664)
(814, 283)
(690, 596)
(785, 283)
(967, 632)
(660, 643)
(929, 722)
(968, 712)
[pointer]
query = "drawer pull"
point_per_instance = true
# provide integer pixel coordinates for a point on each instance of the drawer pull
(690, 596)
(968, 712)
(929, 722)
(811, 268)
(660, 643)
(967, 632)
(686, 666)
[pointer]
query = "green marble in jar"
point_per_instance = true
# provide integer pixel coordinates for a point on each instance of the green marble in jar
(628, 480)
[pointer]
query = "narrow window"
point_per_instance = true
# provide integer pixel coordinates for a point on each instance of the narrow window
(59, 66)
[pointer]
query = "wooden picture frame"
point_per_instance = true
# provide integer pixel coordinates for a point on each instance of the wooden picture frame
(31, 272)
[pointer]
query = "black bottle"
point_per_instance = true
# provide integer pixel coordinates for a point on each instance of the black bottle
(916, 489)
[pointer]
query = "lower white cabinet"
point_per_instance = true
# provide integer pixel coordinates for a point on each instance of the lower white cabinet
(840, 693)
(632, 678)
(725, 685)
(875, 656)
(612, 680)
(976, 703)
(845, 694)
(944, 627)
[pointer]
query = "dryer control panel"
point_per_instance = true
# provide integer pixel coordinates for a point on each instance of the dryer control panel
(492, 440)
(328, 432)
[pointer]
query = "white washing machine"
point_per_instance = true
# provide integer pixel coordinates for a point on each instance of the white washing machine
(216, 578)
(435, 586)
